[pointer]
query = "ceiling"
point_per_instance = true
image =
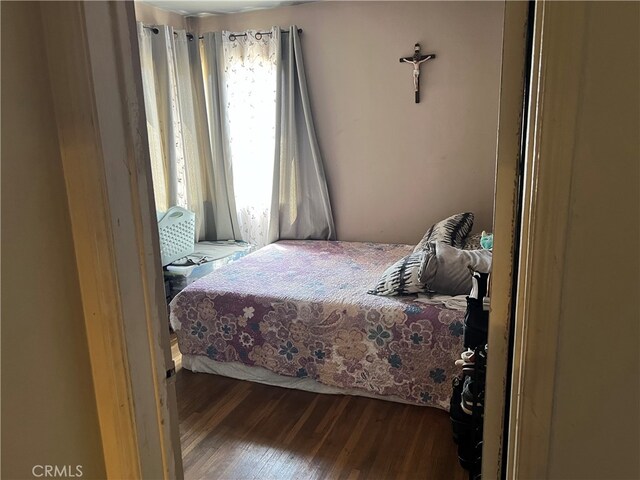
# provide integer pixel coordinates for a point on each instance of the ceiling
(217, 7)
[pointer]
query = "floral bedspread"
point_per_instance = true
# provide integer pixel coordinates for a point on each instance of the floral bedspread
(301, 308)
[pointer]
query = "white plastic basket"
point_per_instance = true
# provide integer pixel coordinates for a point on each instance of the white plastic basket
(177, 234)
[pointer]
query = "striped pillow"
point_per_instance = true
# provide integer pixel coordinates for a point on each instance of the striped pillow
(403, 277)
(452, 231)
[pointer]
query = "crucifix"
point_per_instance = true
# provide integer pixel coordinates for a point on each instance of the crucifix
(416, 60)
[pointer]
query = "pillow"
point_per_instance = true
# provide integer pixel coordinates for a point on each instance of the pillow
(404, 276)
(452, 272)
(472, 242)
(452, 231)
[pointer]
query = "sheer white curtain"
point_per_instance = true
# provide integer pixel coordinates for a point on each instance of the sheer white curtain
(249, 75)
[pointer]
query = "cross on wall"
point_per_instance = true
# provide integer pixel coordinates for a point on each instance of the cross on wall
(416, 60)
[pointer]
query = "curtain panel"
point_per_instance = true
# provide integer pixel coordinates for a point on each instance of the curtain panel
(301, 208)
(187, 168)
(215, 120)
(249, 73)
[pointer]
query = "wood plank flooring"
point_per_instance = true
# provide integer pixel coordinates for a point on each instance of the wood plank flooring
(231, 429)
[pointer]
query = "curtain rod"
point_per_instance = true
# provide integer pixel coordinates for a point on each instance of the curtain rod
(232, 36)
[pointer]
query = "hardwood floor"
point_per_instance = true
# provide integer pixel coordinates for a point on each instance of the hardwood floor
(231, 429)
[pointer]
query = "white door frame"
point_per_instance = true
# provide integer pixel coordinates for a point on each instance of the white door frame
(92, 52)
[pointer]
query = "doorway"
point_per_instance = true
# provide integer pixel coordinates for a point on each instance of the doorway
(144, 226)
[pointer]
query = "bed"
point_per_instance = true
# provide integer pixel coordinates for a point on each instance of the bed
(297, 314)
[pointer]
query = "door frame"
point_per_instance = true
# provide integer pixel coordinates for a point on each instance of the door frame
(558, 47)
(506, 231)
(96, 83)
(93, 66)
(557, 75)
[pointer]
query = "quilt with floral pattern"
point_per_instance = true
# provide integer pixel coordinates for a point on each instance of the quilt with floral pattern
(301, 308)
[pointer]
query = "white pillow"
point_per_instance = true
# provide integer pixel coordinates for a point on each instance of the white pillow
(453, 269)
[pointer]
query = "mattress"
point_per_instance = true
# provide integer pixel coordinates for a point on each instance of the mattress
(301, 309)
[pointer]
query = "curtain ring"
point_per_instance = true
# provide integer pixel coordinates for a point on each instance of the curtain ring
(258, 36)
(232, 37)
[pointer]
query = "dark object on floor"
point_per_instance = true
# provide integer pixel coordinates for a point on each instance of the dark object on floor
(476, 324)
(467, 402)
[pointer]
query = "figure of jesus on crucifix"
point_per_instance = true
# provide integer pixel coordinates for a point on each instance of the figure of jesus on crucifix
(416, 60)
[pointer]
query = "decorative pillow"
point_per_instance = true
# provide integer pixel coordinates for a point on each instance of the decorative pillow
(403, 277)
(452, 231)
(453, 269)
(472, 242)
